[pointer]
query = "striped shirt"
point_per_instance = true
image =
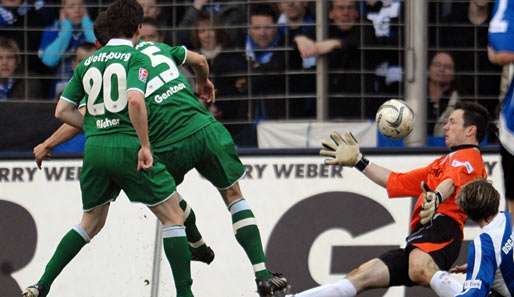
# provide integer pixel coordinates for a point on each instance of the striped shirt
(490, 260)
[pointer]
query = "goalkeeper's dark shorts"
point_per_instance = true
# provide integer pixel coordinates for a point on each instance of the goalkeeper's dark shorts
(441, 239)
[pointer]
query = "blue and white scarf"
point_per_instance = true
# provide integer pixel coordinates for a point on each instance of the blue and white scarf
(260, 55)
(6, 88)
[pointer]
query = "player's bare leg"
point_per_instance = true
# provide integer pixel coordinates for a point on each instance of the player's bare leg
(371, 274)
(175, 243)
(92, 222)
(248, 236)
(424, 271)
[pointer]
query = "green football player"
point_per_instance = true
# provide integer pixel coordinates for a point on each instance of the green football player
(185, 135)
(117, 154)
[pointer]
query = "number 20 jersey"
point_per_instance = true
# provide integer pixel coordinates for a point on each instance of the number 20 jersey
(103, 79)
(174, 110)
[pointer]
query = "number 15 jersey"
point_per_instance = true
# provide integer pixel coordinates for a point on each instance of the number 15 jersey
(174, 110)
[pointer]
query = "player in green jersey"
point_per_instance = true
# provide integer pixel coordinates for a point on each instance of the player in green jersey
(185, 135)
(117, 154)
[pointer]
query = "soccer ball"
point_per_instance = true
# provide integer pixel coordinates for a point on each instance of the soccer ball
(395, 119)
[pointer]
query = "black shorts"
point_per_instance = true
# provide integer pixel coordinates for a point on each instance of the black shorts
(441, 239)
(508, 173)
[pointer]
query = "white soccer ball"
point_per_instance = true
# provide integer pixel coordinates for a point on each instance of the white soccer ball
(395, 119)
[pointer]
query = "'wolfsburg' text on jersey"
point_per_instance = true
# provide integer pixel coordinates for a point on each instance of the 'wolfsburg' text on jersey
(174, 111)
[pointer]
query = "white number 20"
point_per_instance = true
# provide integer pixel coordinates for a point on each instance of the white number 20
(93, 82)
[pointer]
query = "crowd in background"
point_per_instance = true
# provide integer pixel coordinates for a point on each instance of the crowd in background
(263, 54)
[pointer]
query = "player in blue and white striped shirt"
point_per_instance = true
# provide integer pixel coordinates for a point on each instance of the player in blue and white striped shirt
(490, 256)
(501, 51)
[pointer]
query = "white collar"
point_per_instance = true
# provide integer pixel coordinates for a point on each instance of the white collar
(119, 41)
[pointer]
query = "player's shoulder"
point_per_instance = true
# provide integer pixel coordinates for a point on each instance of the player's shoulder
(470, 154)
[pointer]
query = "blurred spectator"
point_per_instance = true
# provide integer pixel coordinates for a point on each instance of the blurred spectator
(229, 14)
(266, 65)
(16, 16)
(295, 22)
(228, 69)
(84, 50)
(149, 30)
(11, 86)
(60, 40)
(344, 58)
(150, 9)
(442, 92)
(381, 57)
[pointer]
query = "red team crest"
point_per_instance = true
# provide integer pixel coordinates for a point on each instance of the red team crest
(143, 74)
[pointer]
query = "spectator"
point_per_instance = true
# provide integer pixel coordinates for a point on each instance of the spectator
(296, 22)
(442, 92)
(84, 50)
(12, 87)
(228, 13)
(227, 68)
(266, 64)
(150, 9)
(60, 40)
(15, 17)
(342, 48)
(149, 30)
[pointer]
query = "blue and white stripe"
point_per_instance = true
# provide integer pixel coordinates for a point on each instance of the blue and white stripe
(490, 260)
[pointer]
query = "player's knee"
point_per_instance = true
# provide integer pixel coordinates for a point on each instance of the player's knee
(93, 227)
(419, 274)
(231, 194)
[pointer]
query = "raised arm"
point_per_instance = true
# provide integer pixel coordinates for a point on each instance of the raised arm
(204, 87)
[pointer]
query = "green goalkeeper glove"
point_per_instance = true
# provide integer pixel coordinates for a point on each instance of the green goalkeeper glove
(342, 151)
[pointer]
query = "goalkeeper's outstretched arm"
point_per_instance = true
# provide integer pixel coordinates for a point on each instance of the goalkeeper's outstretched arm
(377, 174)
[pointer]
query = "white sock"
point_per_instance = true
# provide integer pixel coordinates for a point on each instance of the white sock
(445, 285)
(343, 288)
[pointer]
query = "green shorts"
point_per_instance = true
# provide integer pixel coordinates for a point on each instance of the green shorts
(110, 165)
(210, 150)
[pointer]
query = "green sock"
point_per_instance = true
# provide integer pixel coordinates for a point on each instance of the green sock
(178, 254)
(194, 237)
(67, 249)
(247, 234)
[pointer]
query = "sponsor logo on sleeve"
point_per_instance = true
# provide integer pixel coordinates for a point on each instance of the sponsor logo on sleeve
(143, 74)
(472, 284)
(466, 164)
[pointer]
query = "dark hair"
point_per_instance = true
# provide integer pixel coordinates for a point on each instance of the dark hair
(215, 24)
(479, 200)
(102, 28)
(152, 22)
(263, 10)
(475, 115)
(125, 17)
(11, 45)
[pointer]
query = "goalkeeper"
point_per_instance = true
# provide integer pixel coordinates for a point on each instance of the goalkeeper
(437, 222)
